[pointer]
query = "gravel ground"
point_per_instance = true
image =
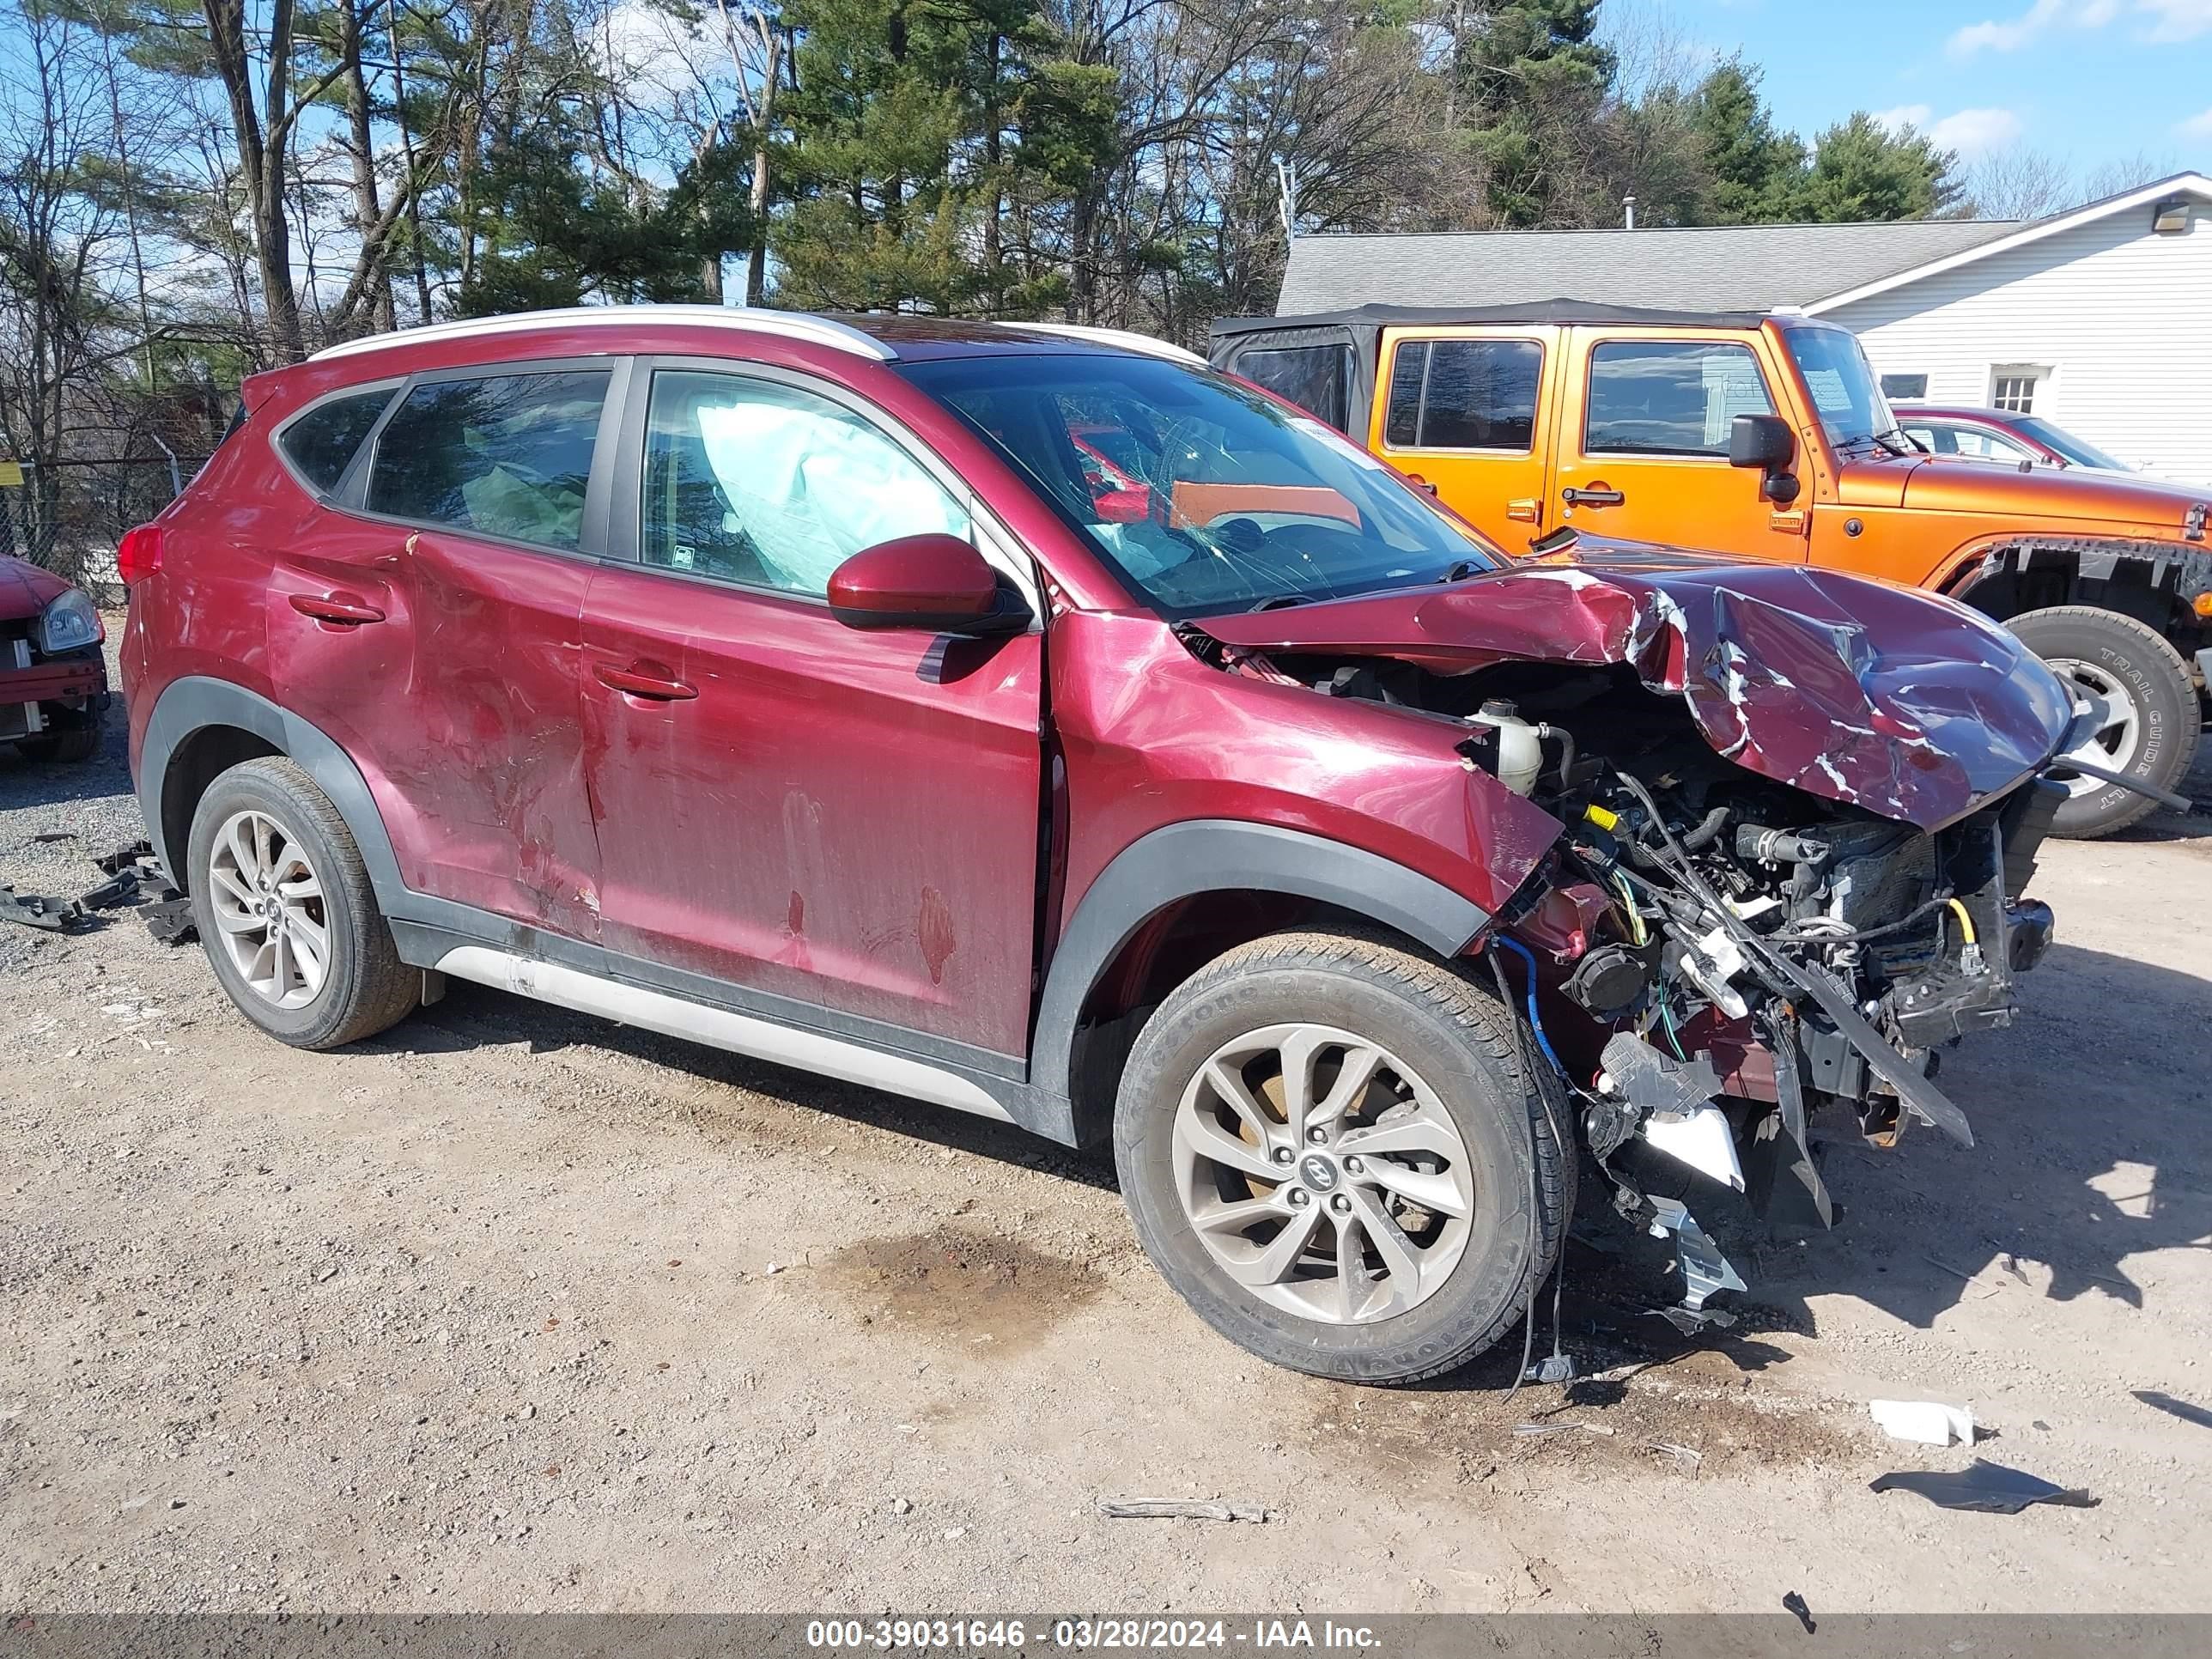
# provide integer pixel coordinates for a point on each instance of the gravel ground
(512, 1309)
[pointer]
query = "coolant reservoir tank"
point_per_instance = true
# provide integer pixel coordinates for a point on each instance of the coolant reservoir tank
(1520, 746)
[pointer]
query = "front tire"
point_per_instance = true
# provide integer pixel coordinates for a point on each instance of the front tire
(286, 913)
(1325, 1144)
(2144, 686)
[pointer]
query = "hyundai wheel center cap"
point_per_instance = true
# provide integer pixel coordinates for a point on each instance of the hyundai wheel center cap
(1318, 1172)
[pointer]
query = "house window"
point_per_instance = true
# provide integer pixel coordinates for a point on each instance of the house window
(1907, 387)
(2012, 389)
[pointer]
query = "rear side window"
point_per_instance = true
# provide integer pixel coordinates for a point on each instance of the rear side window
(1464, 394)
(1657, 397)
(504, 455)
(1317, 379)
(322, 441)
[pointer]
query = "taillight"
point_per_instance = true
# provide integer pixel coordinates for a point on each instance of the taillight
(138, 554)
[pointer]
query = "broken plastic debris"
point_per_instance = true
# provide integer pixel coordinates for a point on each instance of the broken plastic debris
(1175, 1509)
(1928, 1421)
(1984, 1488)
(1700, 1139)
(1705, 1269)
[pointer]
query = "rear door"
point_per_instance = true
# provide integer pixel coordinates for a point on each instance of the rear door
(430, 622)
(843, 824)
(1643, 444)
(1468, 412)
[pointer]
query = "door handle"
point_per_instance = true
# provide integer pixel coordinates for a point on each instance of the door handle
(1598, 497)
(341, 609)
(636, 681)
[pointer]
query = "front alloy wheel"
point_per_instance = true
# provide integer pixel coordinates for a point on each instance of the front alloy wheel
(1322, 1173)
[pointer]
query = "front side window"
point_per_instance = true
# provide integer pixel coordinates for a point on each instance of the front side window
(1218, 498)
(502, 455)
(1464, 394)
(749, 481)
(1984, 445)
(1907, 386)
(1317, 379)
(1661, 397)
(321, 442)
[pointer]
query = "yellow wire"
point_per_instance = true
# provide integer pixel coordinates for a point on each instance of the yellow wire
(1966, 920)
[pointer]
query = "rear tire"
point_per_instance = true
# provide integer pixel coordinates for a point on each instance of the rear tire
(66, 747)
(1459, 1128)
(2142, 680)
(286, 913)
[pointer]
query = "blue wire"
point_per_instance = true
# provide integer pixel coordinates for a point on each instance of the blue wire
(1535, 1019)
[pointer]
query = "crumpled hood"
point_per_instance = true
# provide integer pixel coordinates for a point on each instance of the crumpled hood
(1906, 704)
(26, 590)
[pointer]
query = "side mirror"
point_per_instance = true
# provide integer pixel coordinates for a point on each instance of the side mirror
(1765, 441)
(933, 581)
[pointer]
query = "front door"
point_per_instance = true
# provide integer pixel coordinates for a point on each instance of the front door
(1467, 412)
(1643, 451)
(832, 819)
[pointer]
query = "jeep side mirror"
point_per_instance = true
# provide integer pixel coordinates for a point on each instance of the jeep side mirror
(1767, 442)
(933, 581)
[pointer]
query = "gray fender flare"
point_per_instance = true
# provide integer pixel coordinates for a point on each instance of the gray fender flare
(196, 703)
(1206, 855)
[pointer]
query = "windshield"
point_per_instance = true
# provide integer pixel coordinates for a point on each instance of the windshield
(1850, 404)
(1202, 495)
(2081, 453)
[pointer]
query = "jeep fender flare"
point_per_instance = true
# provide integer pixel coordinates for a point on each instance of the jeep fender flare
(1207, 855)
(195, 703)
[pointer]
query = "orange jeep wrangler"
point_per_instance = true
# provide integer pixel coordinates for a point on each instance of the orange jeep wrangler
(1759, 434)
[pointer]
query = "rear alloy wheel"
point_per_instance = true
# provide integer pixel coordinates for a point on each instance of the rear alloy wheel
(1326, 1144)
(286, 913)
(2148, 717)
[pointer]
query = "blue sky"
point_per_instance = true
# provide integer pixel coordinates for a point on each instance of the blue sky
(2087, 81)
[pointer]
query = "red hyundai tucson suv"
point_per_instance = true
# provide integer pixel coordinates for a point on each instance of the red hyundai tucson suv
(803, 686)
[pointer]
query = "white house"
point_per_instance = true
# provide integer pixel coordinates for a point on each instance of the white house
(2099, 319)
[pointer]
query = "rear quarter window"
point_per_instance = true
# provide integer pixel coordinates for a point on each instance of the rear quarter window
(1317, 379)
(321, 443)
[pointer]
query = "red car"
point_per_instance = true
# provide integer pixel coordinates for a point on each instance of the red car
(53, 682)
(1999, 435)
(777, 682)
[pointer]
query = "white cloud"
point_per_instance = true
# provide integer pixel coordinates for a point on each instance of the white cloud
(2161, 20)
(2197, 127)
(1974, 132)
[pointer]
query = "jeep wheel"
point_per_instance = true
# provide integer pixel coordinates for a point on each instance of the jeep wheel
(1325, 1144)
(2150, 716)
(286, 914)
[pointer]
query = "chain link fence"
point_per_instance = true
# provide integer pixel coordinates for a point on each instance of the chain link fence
(68, 516)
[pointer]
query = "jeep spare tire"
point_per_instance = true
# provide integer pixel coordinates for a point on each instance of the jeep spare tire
(2152, 719)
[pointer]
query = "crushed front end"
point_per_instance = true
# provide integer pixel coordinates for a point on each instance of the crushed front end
(1798, 816)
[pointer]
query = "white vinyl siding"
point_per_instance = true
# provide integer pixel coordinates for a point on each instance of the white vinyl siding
(2119, 318)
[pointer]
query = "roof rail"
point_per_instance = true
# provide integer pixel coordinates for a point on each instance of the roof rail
(793, 325)
(1127, 339)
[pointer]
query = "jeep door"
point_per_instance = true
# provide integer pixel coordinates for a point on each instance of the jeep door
(426, 620)
(838, 828)
(1469, 412)
(1643, 450)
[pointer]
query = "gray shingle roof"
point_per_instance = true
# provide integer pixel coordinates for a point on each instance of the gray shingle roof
(1725, 268)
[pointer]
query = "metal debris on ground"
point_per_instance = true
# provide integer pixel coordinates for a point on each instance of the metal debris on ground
(1532, 1429)
(1175, 1509)
(1984, 1488)
(1927, 1421)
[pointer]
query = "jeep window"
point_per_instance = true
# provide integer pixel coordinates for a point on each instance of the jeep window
(1661, 397)
(1317, 379)
(752, 482)
(320, 442)
(504, 455)
(1850, 404)
(1237, 501)
(1464, 394)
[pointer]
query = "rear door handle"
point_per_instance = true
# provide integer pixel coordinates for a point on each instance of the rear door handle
(639, 681)
(1600, 496)
(340, 608)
